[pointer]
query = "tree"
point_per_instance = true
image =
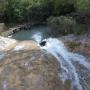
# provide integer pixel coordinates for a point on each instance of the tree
(63, 6)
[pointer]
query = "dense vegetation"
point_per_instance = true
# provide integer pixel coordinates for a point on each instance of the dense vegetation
(64, 15)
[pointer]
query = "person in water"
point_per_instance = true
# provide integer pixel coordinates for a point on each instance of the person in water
(43, 43)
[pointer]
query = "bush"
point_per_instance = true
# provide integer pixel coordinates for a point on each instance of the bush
(15, 11)
(80, 29)
(62, 7)
(39, 12)
(25, 10)
(83, 5)
(62, 25)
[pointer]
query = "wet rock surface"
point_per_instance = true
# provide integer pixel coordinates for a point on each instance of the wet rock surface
(30, 70)
(79, 44)
(12, 44)
(6, 43)
(26, 67)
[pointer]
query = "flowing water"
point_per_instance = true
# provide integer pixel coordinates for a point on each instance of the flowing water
(73, 66)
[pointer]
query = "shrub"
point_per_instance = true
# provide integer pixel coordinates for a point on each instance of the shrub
(83, 5)
(39, 12)
(62, 25)
(25, 10)
(62, 7)
(80, 29)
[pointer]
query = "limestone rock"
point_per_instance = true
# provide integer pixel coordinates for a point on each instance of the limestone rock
(12, 44)
(6, 43)
(30, 70)
(80, 44)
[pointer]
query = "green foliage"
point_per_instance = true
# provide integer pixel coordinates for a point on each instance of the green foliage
(16, 10)
(63, 6)
(40, 12)
(83, 5)
(63, 24)
(19, 11)
(26, 10)
(2, 5)
(80, 29)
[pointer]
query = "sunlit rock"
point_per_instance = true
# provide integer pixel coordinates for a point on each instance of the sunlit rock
(30, 70)
(28, 66)
(27, 45)
(6, 43)
(11, 44)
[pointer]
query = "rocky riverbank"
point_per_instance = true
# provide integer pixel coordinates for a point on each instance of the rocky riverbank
(79, 44)
(25, 66)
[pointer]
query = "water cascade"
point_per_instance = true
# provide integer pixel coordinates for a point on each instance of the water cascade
(74, 66)
(67, 60)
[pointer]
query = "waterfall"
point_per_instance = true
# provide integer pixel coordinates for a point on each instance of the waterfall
(66, 59)
(37, 37)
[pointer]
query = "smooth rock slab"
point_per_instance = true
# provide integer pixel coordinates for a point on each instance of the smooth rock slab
(12, 44)
(30, 70)
(6, 43)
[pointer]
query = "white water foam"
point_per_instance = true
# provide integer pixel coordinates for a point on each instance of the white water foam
(5, 43)
(65, 58)
(37, 37)
(19, 47)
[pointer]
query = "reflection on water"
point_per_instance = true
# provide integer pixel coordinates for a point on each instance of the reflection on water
(35, 33)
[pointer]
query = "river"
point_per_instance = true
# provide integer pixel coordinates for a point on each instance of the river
(75, 67)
